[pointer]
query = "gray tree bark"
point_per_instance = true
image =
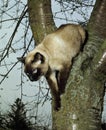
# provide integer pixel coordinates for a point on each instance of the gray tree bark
(82, 102)
(40, 18)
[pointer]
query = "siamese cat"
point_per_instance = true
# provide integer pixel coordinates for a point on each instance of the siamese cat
(52, 58)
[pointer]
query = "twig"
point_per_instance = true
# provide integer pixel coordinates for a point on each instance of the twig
(8, 46)
(5, 76)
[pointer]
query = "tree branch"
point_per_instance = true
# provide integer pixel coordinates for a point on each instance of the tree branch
(40, 18)
(8, 46)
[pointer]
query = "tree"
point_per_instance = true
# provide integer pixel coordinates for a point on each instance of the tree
(17, 119)
(82, 102)
(1, 121)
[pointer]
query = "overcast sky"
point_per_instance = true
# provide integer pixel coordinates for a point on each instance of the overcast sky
(9, 89)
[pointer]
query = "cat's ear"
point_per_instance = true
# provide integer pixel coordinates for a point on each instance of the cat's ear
(39, 57)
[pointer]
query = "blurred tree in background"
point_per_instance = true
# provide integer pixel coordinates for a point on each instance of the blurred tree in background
(17, 119)
(82, 102)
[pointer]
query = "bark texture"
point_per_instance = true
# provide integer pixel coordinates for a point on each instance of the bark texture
(82, 102)
(40, 18)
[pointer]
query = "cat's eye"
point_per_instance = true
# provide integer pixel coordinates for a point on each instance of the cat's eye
(35, 71)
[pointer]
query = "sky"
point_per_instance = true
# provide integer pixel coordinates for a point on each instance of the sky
(10, 89)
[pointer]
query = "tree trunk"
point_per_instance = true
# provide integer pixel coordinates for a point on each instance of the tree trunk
(40, 18)
(82, 102)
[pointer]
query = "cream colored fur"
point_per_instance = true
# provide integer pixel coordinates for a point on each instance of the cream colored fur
(58, 50)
